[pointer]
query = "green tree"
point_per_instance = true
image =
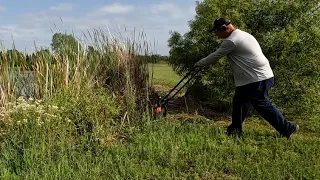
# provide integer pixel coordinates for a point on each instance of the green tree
(15, 57)
(43, 53)
(64, 43)
(288, 32)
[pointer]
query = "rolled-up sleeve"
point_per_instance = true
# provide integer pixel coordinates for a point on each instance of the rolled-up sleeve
(226, 48)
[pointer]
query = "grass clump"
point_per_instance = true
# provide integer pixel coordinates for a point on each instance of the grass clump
(42, 136)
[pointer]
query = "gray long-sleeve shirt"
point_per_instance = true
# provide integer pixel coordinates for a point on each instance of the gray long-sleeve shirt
(245, 56)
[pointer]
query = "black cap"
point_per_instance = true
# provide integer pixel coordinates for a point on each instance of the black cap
(218, 23)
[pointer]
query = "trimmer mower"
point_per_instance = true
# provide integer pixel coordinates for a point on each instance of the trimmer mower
(160, 108)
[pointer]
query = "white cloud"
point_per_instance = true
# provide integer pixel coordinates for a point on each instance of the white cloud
(173, 10)
(4, 29)
(2, 9)
(156, 20)
(116, 8)
(62, 7)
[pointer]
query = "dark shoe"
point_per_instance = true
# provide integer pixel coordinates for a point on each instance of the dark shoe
(231, 131)
(234, 133)
(287, 135)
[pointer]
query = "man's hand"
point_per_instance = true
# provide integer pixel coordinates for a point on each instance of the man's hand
(198, 64)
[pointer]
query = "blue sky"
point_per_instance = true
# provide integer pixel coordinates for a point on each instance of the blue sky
(35, 21)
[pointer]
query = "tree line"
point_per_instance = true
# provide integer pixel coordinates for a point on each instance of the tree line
(65, 44)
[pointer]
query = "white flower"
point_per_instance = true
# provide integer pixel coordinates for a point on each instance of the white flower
(40, 111)
(32, 106)
(21, 99)
(38, 102)
(40, 123)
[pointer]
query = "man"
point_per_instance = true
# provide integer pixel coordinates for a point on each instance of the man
(252, 74)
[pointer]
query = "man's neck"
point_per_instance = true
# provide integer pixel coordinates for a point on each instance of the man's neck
(230, 31)
(232, 28)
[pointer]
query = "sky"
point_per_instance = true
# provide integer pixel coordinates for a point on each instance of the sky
(31, 23)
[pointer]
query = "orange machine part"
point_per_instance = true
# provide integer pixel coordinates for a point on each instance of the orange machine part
(158, 110)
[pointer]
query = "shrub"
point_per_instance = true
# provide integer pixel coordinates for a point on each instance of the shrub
(288, 34)
(35, 131)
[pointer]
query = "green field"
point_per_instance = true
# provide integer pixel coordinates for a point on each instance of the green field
(178, 147)
(162, 74)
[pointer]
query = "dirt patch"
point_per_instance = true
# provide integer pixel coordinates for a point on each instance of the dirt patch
(161, 89)
(187, 105)
(182, 105)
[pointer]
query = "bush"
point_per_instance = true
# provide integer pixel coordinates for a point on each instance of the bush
(92, 111)
(35, 132)
(288, 34)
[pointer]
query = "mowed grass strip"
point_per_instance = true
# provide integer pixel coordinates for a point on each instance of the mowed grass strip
(163, 75)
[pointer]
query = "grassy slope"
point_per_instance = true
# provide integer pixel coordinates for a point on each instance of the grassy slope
(259, 154)
(185, 149)
(178, 147)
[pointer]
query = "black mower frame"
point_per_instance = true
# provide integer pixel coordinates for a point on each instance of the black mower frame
(161, 105)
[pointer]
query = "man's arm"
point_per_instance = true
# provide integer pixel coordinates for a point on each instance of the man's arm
(226, 48)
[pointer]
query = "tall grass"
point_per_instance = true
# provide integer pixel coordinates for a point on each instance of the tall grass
(124, 73)
(59, 108)
(110, 61)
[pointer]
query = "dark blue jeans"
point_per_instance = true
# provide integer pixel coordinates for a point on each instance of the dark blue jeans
(256, 95)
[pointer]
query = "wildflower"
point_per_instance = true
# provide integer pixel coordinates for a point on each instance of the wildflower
(40, 110)
(21, 99)
(52, 115)
(32, 106)
(24, 107)
(38, 102)
(40, 123)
